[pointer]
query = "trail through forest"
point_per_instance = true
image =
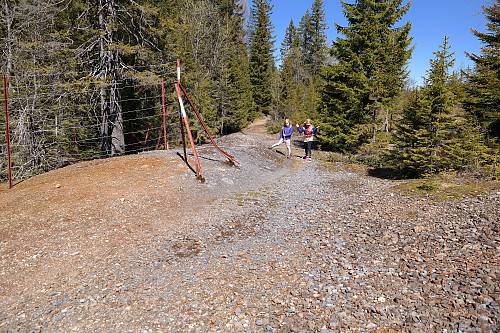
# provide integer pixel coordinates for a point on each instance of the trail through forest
(137, 244)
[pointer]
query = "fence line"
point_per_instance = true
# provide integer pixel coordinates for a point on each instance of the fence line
(48, 132)
(41, 147)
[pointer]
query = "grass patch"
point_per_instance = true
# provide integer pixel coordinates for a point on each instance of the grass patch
(444, 186)
(447, 187)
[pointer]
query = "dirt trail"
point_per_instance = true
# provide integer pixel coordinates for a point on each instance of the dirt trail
(257, 127)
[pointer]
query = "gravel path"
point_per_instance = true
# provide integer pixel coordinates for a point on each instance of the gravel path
(299, 247)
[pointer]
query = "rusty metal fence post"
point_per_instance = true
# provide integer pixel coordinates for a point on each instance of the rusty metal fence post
(183, 116)
(164, 114)
(7, 129)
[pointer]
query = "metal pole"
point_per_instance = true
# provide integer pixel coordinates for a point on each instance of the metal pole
(186, 123)
(178, 70)
(183, 139)
(7, 129)
(231, 159)
(180, 103)
(164, 114)
(158, 142)
(146, 139)
(76, 144)
(165, 128)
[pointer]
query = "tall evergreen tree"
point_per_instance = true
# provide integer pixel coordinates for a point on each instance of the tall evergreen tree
(318, 38)
(312, 30)
(434, 135)
(306, 30)
(303, 53)
(290, 40)
(484, 81)
(236, 100)
(110, 38)
(215, 62)
(261, 55)
(369, 73)
(113, 140)
(290, 58)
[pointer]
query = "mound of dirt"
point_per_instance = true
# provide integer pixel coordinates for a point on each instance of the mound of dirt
(103, 207)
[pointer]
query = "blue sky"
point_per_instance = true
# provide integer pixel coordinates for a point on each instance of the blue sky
(431, 20)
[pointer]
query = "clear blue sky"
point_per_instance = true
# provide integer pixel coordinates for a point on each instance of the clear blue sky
(431, 20)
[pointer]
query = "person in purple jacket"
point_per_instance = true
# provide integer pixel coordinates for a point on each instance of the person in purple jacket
(285, 137)
(308, 129)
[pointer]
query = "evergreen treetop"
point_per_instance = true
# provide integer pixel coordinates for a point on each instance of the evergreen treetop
(261, 59)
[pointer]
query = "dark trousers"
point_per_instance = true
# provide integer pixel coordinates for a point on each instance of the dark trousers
(307, 146)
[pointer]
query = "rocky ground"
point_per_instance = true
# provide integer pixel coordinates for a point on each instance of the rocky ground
(137, 244)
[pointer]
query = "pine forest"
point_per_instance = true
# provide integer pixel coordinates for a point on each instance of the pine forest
(94, 79)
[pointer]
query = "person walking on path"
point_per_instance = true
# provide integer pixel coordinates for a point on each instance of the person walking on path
(285, 137)
(309, 130)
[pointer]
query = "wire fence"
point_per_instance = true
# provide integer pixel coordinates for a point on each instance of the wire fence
(57, 119)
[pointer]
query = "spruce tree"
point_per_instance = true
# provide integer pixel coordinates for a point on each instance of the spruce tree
(318, 38)
(289, 104)
(434, 135)
(306, 37)
(234, 104)
(290, 40)
(35, 56)
(436, 114)
(312, 29)
(116, 45)
(300, 67)
(261, 55)
(369, 73)
(484, 81)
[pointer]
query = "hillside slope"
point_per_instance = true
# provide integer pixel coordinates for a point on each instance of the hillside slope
(136, 243)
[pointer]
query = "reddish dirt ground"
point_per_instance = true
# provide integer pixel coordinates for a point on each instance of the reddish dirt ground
(69, 210)
(52, 224)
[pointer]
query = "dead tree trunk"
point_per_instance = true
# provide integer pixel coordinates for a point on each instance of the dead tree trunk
(112, 138)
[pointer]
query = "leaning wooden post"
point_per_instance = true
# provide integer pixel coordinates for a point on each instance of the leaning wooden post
(7, 129)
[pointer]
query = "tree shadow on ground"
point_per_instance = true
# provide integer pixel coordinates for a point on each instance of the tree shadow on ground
(387, 173)
(383, 173)
(300, 144)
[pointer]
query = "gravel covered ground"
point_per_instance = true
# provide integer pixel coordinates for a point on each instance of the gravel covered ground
(271, 245)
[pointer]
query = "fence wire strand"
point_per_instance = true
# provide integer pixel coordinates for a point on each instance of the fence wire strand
(52, 123)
